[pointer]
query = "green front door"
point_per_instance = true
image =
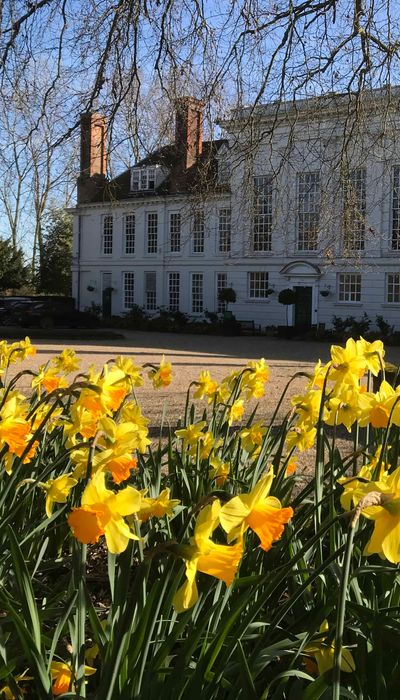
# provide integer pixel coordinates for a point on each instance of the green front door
(303, 307)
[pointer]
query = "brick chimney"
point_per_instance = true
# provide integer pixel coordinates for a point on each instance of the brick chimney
(93, 156)
(189, 129)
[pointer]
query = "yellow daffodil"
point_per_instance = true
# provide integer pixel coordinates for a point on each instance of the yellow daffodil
(372, 353)
(343, 407)
(252, 436)
(157, 507)
(57, 491)
(101, 513)
(192, 434)
(318, 376)
(291, 468)
(15, 430)
(385, 539)
(206, 386)
(307, 406)
(62, 676)
(218, 560)
(236, 411)
(258, 511)
(220, 470)
(375, 408)
(347, 365)
(259, 370)
(16, 352)
(207, 444)
(132, 371)
(323, 652)
(162, 375)
(67, 361)
(301, 436)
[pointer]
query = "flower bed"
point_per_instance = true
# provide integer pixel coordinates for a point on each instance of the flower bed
(201, 565)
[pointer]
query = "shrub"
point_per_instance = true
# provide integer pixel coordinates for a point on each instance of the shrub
(287, 297)
(386, 329)
(200, 565)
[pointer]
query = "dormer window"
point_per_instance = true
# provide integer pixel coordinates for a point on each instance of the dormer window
(146, 178)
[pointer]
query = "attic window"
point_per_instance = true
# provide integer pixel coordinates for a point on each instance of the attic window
(143, 179)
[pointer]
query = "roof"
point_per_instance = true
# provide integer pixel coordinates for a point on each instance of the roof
(199, 178)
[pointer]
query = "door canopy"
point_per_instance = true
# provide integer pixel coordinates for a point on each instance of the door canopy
(301, 268)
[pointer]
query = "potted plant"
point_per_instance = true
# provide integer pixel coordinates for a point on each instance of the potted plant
(227, 295)
(287, 297)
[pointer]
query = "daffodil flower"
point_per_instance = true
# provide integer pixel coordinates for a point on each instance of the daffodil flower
(161, 376)
(236, 411)
(218, 560)
(102, 513)
(258, 511)
(157, 507)
(57, 490)
(385, 539)
(324, 653)
(62, 676)
(347, 365)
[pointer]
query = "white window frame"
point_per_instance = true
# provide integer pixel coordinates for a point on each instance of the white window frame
(129, 234)
(395, 210)
(262, 213)
(257, 281)
(198, 229)
(224, 230)
(144, 179)
(150, 291)
(221, 282)
(197, 293)
(174, 291)
(349, 285)
(393, 287)
(354, 209)
(175, 232)
(128, 286)
(308, 211)
(151, 231)
(107, 236)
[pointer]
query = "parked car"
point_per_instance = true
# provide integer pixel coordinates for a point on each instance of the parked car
(44, 312)
(10, 309)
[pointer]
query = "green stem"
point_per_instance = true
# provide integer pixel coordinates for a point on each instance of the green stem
(79, 665)
(341, 610)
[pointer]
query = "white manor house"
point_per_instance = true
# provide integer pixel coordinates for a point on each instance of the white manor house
(301, 195)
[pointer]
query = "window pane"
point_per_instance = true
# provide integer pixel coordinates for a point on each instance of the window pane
(224, 230)
(175, 232)
(350, 287)
(198, 232)
(222, 283)
(354, 191)
(150, 282)
(258, 285)
(308, 211)
(262, 213)
(107, 235)
(396, 209)
(393, 288)
(129, 289)
(197, 292)
(173, 290)
(152, 228)
(129, 234)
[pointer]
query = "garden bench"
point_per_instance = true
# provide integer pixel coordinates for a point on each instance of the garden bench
(250, 327)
